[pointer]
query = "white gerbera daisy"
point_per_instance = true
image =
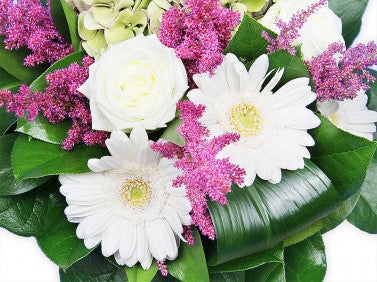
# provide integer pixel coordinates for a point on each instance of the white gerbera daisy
(128, 203)
(352, 116)
(272, 126)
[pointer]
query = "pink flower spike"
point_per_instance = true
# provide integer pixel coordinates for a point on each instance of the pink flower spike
(199, 33)
(203, 174)
(340, 74)
(290, 31)
(28, 23)
(60, 100)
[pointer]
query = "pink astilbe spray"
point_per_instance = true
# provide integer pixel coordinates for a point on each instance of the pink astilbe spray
(290, 31)
(340, 74)
(28, 23)
(162, 267)
(203, 174)
(199, 33)
(60, 100)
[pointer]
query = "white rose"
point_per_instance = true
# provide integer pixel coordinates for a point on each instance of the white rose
(135, 82)
(320, 30)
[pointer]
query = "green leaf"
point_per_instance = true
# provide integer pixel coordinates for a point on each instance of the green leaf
(138, 274)
(40, 83)
(228, 277)
(8, 81)
(294, 67)
(342, 156)
(303, 234)
(350, 12)
(261, 216)
(12, 61)
(59, 19)
(6, 120)
(251, 261)
(171, 133)
(93, 268)
(32, 158)
(41, 129)
(40, 213)
(306, 261)
(190, 265)
(8, 185)
(337, 217)
(364, 215)
(248, 44)
(71, 18)
(266, 273)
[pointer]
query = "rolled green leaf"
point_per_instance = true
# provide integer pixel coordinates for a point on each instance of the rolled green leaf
(342, 156)
(263, 215)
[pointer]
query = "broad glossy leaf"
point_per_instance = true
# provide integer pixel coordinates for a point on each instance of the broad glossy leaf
(303, 234)
(8, 185)
(261, 216)
(350, 12)
(251, 261)
(342, 156)
(59, 19)
(228, 277)
(71, 18)
(306, 261)
(364, 215)
(93, 268)
(13, 63)
(333, 220)
(294, 67)
(40, 83)
(190, 265)
(266, 273)
(248, 44)
(8, 81)
(138, 274)
(41, 129)
(40, 213)
(32, 158)
(6, 120)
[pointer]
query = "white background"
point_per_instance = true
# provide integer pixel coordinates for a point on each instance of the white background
(351, 253)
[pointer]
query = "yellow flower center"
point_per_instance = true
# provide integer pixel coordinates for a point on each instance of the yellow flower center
(246, 120)
(136, 192)
(334, 118)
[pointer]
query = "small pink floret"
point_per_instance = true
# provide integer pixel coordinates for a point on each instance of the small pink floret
(203, 174)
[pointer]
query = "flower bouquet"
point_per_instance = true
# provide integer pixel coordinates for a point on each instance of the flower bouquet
(196, 140)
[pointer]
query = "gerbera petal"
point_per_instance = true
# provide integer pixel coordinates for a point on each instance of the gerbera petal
(128, 240)
(139, 137)
(236, 74)
(257, 72)
(273, 82)
(111, 238)
(104, 163)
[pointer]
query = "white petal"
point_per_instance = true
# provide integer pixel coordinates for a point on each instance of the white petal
(363, 117)
(273, 82)
(104, 163)
(139, 137)
(93, 225)
(172, 218)
(236, 74)
(127, 242)
(111, 237)
(257, 72)
(91, 242)
(146, 261)
(181, 204)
